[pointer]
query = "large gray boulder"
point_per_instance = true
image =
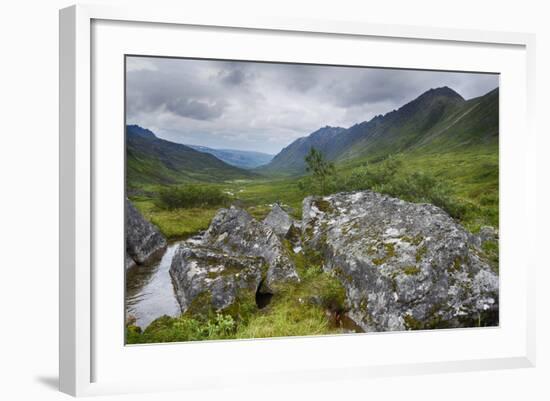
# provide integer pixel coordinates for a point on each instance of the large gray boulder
(236, 258)
(279, 220)
(403, 265)
(205, 278)
(236, 233)
(143, 241)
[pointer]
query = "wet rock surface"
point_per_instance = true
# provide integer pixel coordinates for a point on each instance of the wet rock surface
(143, 241)
(403, 265)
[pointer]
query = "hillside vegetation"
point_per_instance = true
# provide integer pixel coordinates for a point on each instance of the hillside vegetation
(154, 161)
(438, 121)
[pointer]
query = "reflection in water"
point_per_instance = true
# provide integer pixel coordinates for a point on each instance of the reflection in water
(149, 290)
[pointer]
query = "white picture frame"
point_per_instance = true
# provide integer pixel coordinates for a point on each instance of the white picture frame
(80, 343)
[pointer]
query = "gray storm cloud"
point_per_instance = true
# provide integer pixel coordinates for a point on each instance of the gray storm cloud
(265, 106)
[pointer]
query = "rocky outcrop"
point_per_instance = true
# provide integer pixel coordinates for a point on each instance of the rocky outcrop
(403, 265)
(143, 240)
(279, 220)
(237, 233)
(235, 258)
(205, 278)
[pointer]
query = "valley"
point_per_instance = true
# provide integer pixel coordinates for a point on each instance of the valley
(439, 149)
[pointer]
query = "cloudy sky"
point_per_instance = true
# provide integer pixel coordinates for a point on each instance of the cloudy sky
(264, 106)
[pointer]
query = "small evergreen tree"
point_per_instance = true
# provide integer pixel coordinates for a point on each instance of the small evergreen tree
(320, 168)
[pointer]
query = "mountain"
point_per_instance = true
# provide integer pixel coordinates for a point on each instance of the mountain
(240, 158)
(291, 158)
(438, 120)
(151, 160)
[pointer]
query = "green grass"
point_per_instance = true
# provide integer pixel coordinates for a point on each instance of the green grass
(169, 329)
(176, 223)
(473, 177)
(299, 309)
(287, 317)
(463, 182)
(255, 196)
(191, 196)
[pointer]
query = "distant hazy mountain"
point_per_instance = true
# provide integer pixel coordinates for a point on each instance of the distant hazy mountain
(438, 120)
(151, 160)
(239, 158)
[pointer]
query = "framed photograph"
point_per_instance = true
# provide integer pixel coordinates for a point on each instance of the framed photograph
(278, 200)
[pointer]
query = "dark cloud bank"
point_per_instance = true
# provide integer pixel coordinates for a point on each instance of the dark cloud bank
(264, 106)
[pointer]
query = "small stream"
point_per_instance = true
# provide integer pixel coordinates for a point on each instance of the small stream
(149, 290)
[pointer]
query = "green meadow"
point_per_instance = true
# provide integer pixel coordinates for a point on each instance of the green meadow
(468, 179)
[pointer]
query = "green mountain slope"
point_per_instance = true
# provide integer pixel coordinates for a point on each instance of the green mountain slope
(151, 160)
(439, 120)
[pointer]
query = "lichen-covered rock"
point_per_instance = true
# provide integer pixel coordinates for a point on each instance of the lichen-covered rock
(236, 233)
(143, 240)
(404, 265)
(278, 220)
(205, 278)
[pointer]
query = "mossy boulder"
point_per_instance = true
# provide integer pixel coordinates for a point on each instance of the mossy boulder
(237, 233)
(205, 279)
(236, 258)
(403, 265)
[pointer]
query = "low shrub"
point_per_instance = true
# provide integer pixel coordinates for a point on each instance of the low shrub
(191, 195)
(424, 188)
(391, 177)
